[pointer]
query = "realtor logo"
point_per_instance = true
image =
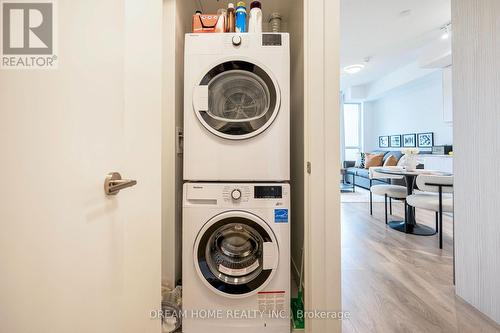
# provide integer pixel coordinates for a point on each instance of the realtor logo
(28, 34)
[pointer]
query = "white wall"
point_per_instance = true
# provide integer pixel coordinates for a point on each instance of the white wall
(415, 107)
(476, 85)
(322, 150)
(297, 133)
(176, 23)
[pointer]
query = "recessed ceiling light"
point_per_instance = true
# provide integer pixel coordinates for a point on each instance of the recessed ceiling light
(353, 69)
(404, 13)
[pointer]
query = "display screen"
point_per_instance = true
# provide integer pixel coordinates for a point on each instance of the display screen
(271, 40)
(268, 192)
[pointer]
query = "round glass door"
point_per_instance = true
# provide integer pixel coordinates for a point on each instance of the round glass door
(230, 252)
(243, 100)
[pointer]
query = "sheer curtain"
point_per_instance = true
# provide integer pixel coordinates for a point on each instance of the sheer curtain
(342, 130)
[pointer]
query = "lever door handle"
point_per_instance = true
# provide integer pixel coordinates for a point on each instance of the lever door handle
(114, 183)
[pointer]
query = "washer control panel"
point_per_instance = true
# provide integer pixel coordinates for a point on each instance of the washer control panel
(268, 192)
(237, 195)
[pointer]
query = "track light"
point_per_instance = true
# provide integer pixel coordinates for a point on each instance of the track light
(446, 31)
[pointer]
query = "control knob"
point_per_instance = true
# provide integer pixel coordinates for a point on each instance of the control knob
(236, 40)
(236, 194)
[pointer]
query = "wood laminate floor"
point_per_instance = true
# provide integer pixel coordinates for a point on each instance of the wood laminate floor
(393, 282)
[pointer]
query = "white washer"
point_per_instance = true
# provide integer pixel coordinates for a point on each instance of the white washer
(236, 258)
(236, 107)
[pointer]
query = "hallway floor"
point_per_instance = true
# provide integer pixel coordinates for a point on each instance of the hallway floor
(393, 282)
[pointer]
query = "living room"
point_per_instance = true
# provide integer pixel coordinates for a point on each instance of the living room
(397, 174)
(410, 117)
(396, 81)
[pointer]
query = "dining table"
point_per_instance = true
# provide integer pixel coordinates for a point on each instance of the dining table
(410, 225)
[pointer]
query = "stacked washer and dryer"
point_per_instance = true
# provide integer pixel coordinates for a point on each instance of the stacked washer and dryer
(236, 198)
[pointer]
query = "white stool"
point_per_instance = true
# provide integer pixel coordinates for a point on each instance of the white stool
(388, 191)
(437, 197)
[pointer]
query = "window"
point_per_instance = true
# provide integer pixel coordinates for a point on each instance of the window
(352, 131)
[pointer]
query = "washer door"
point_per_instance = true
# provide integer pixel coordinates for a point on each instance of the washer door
(236, 254)
(237, 100)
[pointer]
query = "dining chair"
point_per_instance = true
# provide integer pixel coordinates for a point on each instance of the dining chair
(436, 194)
(389, 191)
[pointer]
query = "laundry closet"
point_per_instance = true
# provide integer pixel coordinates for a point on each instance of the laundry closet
(92, 199)
(255, 163)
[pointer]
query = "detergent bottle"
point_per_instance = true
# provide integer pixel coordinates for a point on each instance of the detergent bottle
(221, 21)
(230, 21)
(241, 17)
(255, 19)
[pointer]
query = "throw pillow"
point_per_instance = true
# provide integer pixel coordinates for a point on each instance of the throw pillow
(391, 161)
(360, 162)
(373, 160)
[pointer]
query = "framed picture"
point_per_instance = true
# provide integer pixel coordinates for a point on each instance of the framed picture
(395, 141)
(425, 140)
(409, 140)
(383, 141)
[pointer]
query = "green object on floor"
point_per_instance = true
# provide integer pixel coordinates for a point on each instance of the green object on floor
(297, 304)
(298, 312)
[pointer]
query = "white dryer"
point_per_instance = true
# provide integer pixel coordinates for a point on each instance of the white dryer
(236, 107)
(236, 258)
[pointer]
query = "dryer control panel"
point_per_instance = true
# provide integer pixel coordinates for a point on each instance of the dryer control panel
(271, 40)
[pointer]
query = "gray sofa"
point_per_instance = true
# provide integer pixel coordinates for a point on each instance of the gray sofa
(361, 175)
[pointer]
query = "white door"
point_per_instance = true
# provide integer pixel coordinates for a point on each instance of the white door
(71, 258)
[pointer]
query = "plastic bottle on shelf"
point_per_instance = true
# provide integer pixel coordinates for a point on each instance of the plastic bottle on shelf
(221, 21)
(241, 17)
(255, 20)
(275, 22)
(230, 20)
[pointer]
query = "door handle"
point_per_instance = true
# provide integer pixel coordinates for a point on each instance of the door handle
(114, 183)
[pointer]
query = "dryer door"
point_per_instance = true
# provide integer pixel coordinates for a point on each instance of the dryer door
(237, 100)
(236, 254)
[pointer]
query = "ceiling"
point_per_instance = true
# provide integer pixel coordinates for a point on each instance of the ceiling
(384, 32)
(372, 28)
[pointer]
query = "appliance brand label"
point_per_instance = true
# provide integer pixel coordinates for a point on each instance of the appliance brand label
(281, 215)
